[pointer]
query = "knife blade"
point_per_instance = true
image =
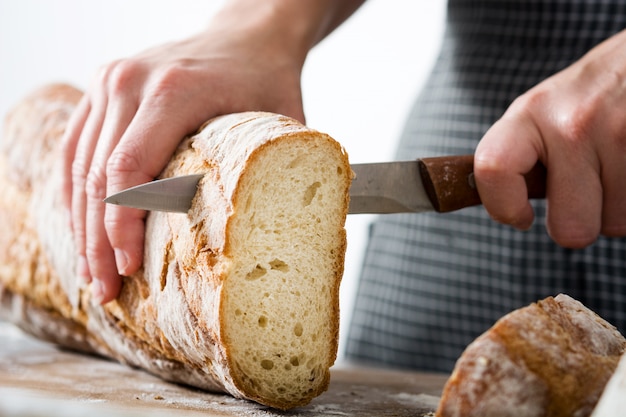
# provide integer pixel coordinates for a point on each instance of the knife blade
(440, 184)
(170, 194)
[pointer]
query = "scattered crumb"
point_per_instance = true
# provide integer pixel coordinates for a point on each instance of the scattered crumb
(158, 397)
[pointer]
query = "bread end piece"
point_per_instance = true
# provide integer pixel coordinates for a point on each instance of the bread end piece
(268, 220)
(551, 358)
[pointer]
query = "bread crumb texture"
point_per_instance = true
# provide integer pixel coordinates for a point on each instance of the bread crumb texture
(239, 295)
(551, 358)
(287, 241)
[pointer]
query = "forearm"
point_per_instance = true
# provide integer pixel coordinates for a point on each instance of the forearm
(294, 26)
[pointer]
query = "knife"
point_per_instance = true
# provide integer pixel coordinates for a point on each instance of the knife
(440, 184)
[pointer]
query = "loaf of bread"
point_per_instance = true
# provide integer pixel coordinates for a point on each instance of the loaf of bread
(552, 358)
(612, 403)
(239, 295)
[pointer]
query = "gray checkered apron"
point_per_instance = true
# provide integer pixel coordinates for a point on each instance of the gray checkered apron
(431, 283)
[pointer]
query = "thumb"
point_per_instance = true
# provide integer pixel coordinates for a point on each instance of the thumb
(508, 151)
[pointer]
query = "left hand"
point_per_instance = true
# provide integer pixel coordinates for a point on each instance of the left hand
(138, 109)
(575, 124)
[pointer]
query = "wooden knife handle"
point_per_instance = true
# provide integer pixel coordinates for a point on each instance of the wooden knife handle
(449, 182)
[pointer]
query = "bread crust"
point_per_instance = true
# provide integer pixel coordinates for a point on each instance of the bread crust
(168, 318)
(551, 358)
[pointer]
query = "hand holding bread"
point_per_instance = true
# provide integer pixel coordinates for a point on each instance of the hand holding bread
(134, 115)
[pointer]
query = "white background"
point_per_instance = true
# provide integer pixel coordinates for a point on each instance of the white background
(358, 84)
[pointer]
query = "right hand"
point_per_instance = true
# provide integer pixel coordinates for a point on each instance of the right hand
(573, 123)
(136, 112)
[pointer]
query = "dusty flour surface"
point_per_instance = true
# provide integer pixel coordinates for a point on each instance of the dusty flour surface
(38, 379)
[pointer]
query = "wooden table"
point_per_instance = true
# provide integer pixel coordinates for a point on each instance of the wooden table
(38, 379)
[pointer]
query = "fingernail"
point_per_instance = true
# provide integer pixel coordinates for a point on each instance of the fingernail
(82, 270)
(121, 260)
(97, 292)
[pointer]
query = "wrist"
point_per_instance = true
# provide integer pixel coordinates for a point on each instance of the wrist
(287, 27)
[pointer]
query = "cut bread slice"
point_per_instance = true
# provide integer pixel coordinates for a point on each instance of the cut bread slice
(282, 190)
(280, 302)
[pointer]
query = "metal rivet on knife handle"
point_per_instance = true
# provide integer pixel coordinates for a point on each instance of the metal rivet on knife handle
(448, 181)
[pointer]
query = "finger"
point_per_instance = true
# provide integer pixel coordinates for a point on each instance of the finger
(80, 169)
(99, 252)
(69, 142)
(572, 123)
(100, 256)
(508, 151)
(143, 151)
(612, 153)
(574, 193)
(125, 228)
